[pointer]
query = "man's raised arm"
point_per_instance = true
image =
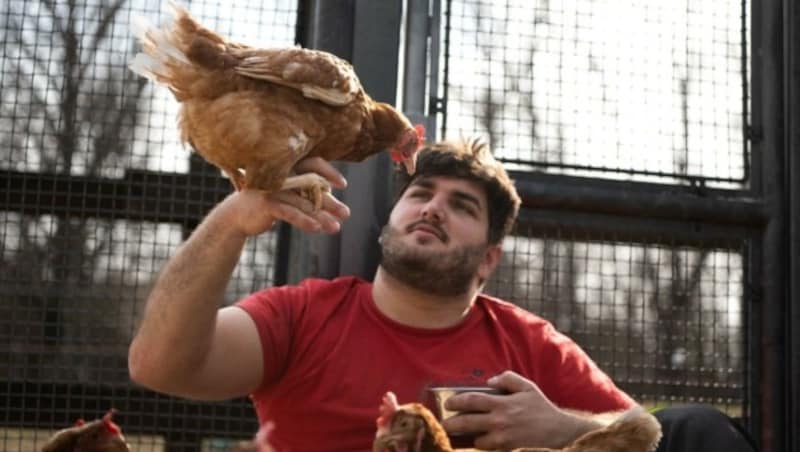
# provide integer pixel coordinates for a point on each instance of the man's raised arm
(188, 346)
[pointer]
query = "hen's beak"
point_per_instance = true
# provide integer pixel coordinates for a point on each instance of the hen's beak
(410, 164)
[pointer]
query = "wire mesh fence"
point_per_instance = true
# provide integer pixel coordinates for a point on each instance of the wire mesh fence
(637, 90)
(98, 194)
(645, 91)
(666, 321)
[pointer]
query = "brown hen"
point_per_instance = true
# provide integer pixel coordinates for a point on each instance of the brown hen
(99, 435)
(255, 112)
(410, 427)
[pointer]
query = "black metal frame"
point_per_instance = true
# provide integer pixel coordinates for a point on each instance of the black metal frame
(367, 34)
(791, 46)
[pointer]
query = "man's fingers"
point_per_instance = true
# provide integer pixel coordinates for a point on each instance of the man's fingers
(329, 203)
(335, 207)
(323, 168)
(329, 223)
(512, 382)
(471, 402)
(492, 441)
(299, 211)
(467, 423)
(292, 215)
(292, 198)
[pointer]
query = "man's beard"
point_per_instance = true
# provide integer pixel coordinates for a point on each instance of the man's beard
(440, 273)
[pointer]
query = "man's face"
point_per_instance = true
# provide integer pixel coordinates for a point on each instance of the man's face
(436, 238)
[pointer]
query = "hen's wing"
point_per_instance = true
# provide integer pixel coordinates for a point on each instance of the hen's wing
(318, 75)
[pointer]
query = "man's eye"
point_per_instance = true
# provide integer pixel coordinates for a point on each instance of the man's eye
(464, 207)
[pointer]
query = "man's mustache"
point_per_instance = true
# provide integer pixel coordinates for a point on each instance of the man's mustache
(436, 229)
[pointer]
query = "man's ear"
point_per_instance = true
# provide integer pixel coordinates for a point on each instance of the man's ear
(491, 258)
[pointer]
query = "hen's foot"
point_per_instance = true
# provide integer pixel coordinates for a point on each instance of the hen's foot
(311, 186)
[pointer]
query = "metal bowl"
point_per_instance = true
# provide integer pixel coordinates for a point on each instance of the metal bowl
(440, 395)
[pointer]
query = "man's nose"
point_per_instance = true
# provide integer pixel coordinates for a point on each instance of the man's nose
(432, 210)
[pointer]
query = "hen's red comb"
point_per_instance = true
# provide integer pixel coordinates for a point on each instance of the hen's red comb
(387, 409)
(111, 427)
(420, 129)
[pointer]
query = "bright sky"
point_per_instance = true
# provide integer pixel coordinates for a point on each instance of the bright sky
(606, 82)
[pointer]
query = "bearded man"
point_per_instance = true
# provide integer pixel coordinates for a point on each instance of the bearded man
(317, 357)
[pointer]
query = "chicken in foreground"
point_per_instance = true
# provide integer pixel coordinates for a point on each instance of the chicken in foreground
(413, 428)
(410, 427)
(255, 112)
(99, 435)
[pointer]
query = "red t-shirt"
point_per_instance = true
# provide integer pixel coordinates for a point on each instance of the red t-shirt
(330, 355)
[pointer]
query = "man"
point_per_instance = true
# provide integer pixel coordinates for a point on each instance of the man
(317, 357)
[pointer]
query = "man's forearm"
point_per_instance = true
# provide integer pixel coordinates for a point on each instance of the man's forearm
(579, 424)
(632, 430)
(177, 328)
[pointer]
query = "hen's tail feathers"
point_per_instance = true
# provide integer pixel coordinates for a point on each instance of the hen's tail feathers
(161, 51)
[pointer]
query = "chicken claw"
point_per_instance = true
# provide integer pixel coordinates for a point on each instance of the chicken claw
(311, 186)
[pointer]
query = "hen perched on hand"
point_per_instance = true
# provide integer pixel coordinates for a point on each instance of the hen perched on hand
(99, 435)
(255, 112)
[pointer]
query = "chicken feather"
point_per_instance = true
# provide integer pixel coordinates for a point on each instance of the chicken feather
(255, 112)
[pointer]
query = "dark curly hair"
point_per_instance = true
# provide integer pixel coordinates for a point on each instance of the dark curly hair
(471, 159)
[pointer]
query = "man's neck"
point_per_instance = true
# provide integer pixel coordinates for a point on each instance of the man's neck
(409, 306)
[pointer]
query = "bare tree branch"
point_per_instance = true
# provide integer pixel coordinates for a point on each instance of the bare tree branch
(36, 101)
(26, 48)
(99, 36)
(107, 143)
(51, 7)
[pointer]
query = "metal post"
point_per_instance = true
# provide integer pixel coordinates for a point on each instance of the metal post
(792, 111)
(376, 45)
(325, 25)
(421, 58)
(366, 33)
(769, 146)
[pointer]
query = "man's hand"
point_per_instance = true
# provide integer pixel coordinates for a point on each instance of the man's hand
(522, 418)
(253, 212)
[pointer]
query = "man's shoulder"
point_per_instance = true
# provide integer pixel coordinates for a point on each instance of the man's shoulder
(309, 290)
(507, 311)
(313, 285)
(521, 326)
(341, 282)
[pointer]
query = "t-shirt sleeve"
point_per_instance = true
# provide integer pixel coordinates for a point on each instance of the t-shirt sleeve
(275, 311)
(570, 378)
